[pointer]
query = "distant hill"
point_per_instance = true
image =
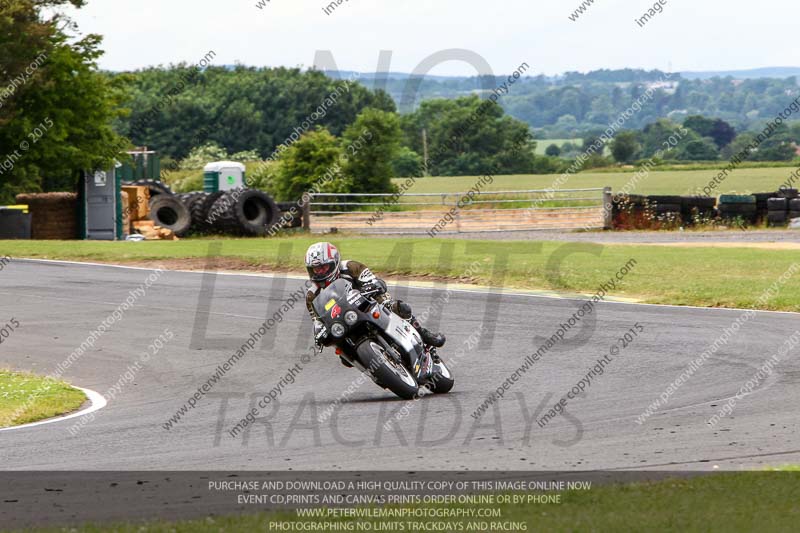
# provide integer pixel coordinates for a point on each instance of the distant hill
(766, 72)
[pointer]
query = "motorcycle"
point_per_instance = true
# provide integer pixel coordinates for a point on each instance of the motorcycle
(372, 338)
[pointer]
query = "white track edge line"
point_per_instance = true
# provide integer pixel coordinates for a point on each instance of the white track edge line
(97, 400)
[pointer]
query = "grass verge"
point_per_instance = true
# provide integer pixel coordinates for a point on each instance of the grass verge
(708, 277)
(28, 398)
(748, 501)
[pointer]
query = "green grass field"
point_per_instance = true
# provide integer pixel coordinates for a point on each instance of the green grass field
(27, 398)
(683, 182)
(712, 277)
(750, 501)
(542, 144)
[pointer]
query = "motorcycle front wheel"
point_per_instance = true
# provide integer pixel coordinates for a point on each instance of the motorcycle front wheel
(386, 371)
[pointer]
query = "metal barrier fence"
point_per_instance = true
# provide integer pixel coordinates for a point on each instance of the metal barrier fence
(442, 213)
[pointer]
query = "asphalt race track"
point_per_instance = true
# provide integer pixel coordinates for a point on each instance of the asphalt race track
(59, 304)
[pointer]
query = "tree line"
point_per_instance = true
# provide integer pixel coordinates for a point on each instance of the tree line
(305, 122)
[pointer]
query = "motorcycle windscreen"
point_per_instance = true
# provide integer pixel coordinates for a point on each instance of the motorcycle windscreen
(328, 298)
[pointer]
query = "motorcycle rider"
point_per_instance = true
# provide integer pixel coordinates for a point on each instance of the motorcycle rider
(324, 265)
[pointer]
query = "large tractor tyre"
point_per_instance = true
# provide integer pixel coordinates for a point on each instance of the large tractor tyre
(156, 187)
(794, 204)
(248, 212)
(788, 193)
(193, 199)
(169, 212)
(201, 208)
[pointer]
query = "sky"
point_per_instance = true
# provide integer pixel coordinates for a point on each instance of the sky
(687, 35)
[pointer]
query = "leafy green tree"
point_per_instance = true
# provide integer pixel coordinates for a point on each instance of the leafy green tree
(722, 133)
(470, 136)
(740, 146)
(201, 155)
(407, 163)
(655, 137)
(370, 145)
(240, 108)
(624, 146)
(56, 101)
(699, 124)
(778, 146)
(702, 149)
(591, 140)
(312, 164)
(553, 150)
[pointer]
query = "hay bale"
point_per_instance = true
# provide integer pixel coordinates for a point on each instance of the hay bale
(126, 215)
(53, 215)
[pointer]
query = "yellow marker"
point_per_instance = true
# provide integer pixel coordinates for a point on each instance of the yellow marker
(330, 304)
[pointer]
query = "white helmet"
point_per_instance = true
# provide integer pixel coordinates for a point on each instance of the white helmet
(323, 263)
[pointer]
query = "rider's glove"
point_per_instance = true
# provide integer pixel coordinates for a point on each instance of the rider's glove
(376, 286)
(320, 332)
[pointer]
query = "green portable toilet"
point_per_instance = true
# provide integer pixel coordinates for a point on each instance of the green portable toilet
(223, 176)
(144, 165)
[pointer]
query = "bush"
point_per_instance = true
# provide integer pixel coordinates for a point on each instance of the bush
(407, 164)
(553, 150)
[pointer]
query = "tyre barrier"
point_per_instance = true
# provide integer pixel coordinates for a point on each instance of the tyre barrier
(656, 211)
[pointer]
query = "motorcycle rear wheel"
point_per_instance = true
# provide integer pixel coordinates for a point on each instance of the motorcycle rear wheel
(387, 372)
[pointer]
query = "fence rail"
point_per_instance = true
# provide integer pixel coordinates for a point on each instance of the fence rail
(455, 212)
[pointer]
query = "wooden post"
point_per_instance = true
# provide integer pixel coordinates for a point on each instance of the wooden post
(307, 213)
(608, 209)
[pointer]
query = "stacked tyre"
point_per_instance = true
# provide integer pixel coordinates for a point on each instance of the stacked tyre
(761, 203)
(738, 206)
(777, 211)
(783, 207)
(793, 202)
(697, 208)
(244, 212)
(667, 205)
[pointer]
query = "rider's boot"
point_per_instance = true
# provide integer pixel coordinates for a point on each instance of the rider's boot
(436, 340)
